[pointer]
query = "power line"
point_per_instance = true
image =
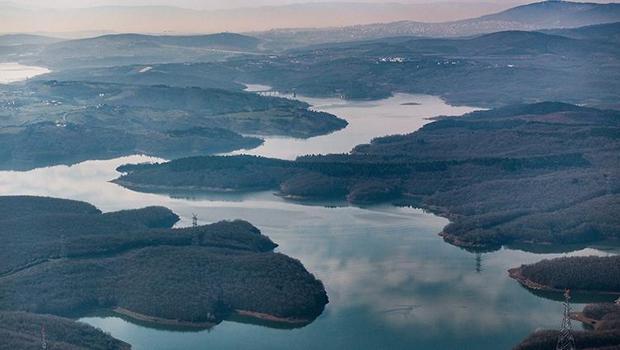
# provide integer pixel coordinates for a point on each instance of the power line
(194, 220)
(566, 341)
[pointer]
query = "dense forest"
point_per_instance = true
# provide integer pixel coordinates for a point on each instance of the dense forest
(65, 122)
(601, 274)
(544, 172)
(578, 66)
(547, 340)
(604, 335)
(524, 172)
(67, 258)
(20, 330)
(578, 274)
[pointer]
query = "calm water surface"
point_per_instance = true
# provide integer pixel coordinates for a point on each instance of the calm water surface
(402, 113)
(12, 72)
(392, 282)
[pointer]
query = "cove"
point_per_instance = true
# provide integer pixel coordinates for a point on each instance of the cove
(392, 282)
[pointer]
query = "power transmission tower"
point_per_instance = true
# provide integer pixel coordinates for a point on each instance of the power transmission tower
(478, 262)
(194, 220)
(43, 338)
(566, 340)
(195, 233)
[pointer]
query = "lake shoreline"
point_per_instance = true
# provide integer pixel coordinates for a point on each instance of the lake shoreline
(159, 321)
(517, 274)
(162, 321)
(13, 72)
(272, 318)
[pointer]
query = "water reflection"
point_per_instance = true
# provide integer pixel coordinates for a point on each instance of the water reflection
(392, 282)
(367, 120)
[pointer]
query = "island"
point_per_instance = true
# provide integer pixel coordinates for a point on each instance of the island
(593, 276)
(53, 122)
(531, 173)
(68, 259)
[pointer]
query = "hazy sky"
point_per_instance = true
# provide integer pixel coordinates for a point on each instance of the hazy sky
(219, 4)
(53, 16)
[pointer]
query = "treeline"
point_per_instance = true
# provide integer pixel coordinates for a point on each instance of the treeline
(67, 258)
(65, 122)
(534, 173)
(547, 340)
(579, 273)
(35, 237)
(605, 334)
(23, 331)
(188, 283)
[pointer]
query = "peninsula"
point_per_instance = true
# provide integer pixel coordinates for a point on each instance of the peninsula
(46, 123)
(68, 259)
(536, 173)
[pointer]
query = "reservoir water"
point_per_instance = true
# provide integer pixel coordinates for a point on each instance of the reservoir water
(392, 282)
(402, 113)
(12, 72)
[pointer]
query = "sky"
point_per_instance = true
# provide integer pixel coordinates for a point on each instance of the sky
(222, 4)
(75, 18)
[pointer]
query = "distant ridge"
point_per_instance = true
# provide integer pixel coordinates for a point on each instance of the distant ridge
(26, 39)
(536, 16)
(128, 49)
(605, 32)
(251, 16)
(556, 13)
(218, 40)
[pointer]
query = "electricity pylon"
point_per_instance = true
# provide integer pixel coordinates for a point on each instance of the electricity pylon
(195, 232)
(43, 339)
(194, 220)
(566, 341)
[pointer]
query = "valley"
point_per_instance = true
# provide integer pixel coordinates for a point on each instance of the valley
(443, 184)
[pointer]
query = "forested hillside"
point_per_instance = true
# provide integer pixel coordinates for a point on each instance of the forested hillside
(66, 258)
(528, 173)
(65, 122)
(23, 331)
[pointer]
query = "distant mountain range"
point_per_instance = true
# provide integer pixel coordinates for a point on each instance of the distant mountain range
(536, 16)
(166, 19)
(124, 49)
(601, 32)
(26, 39)
(553, 17)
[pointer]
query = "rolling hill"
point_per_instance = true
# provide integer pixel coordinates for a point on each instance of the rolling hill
(122, 49)
(536, 16)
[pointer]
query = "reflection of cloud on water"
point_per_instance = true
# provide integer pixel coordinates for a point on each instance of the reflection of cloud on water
(384, 267)
(367, 120)
(439, 280)
(382, 260)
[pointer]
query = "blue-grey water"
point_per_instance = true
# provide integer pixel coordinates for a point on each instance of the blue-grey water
(11, 72)
(392, 282)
